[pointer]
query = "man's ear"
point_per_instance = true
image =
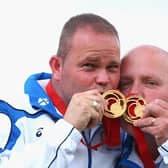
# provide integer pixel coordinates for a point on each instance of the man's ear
(56, 66)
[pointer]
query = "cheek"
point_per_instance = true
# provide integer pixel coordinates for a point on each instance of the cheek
(161, 94)
(114, 80)
(155, 94)
(77, 79)
(84, 79)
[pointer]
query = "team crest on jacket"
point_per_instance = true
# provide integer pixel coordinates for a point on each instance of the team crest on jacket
(5, 129)
(43, 101)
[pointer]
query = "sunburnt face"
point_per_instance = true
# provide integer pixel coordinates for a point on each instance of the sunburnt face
(145, 73)
(92, 63)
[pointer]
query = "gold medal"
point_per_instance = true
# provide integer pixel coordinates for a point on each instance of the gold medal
(116, 103)
(135, 105)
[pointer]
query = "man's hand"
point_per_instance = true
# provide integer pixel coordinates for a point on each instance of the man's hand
(85, 109)
(155, 120)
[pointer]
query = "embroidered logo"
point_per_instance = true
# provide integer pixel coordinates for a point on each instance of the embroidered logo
(43, 101)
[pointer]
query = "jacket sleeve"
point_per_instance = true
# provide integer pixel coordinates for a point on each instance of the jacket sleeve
(5, 130)
(55, 149)
(163, 150)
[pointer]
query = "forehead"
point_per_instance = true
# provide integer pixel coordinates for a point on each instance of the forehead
(144, 63)
(88, 36)
(86, 43)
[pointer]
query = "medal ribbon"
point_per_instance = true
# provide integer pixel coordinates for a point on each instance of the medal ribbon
(56, 99)
(143, 149)
(134, 104)
(112, 131)
(111, 126)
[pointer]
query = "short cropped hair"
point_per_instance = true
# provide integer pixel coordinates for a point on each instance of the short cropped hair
(97, 23)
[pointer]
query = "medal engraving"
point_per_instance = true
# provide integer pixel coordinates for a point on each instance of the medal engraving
(134, 111)
(116, 103)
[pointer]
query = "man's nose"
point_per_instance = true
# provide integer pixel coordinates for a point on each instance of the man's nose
(102, 77)
(136, 89)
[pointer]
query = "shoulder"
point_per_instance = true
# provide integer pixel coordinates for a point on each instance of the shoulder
(5, 128)
(8, 118)
(9, 110)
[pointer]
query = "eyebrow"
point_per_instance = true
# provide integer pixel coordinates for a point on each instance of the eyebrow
(95, 58)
